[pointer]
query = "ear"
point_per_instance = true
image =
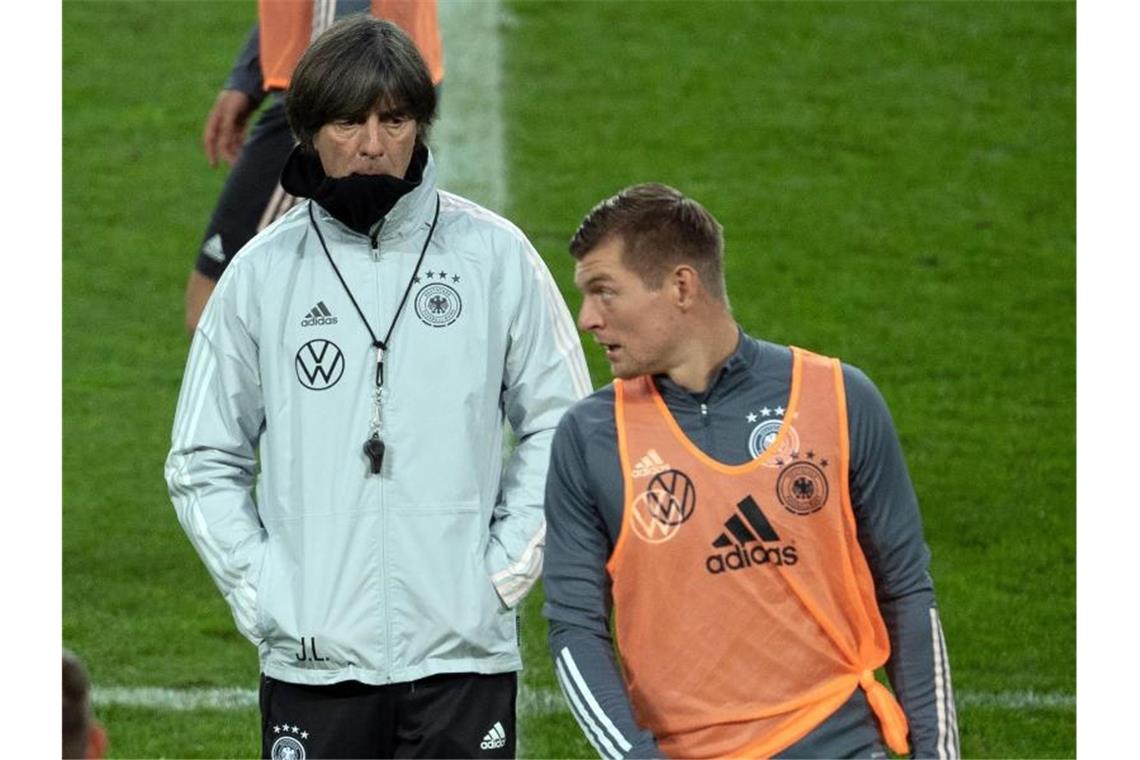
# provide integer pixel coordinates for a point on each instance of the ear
(686, 284)
(96, 740)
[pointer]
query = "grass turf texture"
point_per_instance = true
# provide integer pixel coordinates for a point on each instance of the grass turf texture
(897, 186)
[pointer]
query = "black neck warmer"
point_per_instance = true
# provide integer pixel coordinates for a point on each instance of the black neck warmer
(358, 200)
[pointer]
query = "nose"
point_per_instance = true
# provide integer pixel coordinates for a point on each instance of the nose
(372, 139)
(589, 318)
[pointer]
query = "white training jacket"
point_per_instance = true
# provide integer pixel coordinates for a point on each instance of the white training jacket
(333, 572)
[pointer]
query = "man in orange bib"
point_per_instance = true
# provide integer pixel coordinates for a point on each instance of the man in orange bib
(741, 514)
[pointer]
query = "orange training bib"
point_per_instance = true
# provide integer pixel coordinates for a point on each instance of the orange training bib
(745, 609)
(288, 26)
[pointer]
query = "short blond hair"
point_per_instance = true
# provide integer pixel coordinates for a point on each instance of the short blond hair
(659, 229)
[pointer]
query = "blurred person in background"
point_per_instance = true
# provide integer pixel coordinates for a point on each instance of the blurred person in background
(252, 197)
(83, 736)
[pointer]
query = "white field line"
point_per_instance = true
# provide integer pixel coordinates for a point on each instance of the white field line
(468, 138)
(531, 701)
(1019, 700)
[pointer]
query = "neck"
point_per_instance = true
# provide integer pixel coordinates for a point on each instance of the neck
(705, 352)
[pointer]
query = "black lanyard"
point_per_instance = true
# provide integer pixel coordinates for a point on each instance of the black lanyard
(373, 446)
(380, 345)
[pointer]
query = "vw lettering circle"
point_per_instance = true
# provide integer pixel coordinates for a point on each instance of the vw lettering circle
(659, 512)
(438, 305)
(319, 364)
(671, 497)
(645, 522)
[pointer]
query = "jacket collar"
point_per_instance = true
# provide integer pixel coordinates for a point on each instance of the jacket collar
(414, 210)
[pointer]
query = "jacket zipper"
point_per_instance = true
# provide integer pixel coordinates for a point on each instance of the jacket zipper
(374, 239)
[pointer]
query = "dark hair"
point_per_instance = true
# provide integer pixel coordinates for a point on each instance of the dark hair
(357, 65)
(76, 706)
(659, 229)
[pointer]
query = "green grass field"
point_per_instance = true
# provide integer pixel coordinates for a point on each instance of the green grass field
(897, 185)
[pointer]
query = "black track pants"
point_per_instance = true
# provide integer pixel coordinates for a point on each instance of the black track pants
(451, 715)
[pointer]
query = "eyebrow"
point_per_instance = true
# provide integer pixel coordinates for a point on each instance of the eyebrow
(392, 114)
(386, 112)
(593, 280)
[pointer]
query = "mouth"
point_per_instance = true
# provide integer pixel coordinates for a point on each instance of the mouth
(611, 349)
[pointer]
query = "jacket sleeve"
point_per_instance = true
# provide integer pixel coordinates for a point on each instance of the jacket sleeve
(890, 532)
(210, 470)
(245, 76)
(544, 373)
(579, 603)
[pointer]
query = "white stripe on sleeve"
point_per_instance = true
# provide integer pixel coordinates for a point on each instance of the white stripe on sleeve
(514, 581)
(943, 692)
(565, 332)
(323, 12)
(199, 373)
(580, 683)
(592, 731)
(952, 747)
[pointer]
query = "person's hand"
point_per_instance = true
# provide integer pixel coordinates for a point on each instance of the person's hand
(224, 132)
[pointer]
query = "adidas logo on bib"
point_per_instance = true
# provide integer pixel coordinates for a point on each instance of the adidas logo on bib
(649, 465)
(737, 537)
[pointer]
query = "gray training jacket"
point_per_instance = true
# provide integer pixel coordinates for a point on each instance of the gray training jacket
(333, 572)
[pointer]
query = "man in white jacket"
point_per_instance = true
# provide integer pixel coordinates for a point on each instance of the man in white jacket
(365, 350)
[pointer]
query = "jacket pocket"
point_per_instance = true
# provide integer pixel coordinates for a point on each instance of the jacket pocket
(444, 605)
(264, 576)
(243, 596)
